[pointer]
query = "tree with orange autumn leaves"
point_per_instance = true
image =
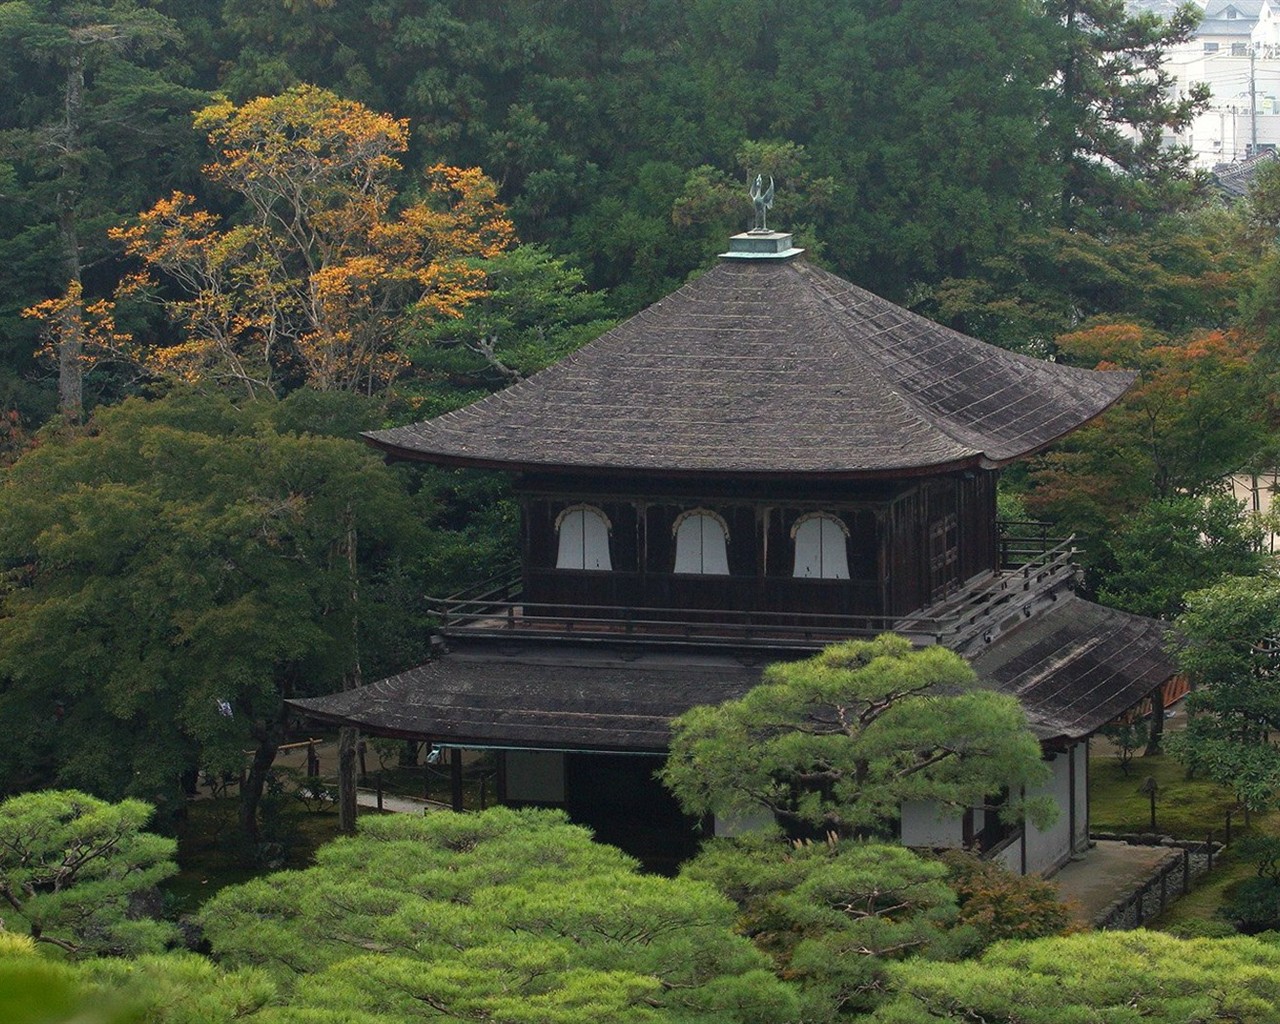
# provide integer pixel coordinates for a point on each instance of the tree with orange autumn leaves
(74, 332)
(317, 279)
(1197, 412)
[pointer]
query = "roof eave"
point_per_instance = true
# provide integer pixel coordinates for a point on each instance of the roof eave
(1132, 376)
(456, 461)
(458, 739)
(978, 460)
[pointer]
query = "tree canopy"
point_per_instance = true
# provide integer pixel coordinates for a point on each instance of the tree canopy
(1231, 633)
(1108, 977)
(1112, 107)
(1175, 546)
(95, 123)
(837, 742)
(1197, 412)
(833, 915)
(158, 988)
(72, 865)
(195, 565)
(505, 915)
(317, 283)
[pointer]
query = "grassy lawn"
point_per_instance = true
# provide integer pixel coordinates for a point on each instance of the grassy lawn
(1202, 903)
(1185, 809)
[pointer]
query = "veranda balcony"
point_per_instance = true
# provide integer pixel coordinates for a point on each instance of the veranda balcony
(763, 612)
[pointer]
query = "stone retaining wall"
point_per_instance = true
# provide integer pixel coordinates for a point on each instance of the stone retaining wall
(1186, 861)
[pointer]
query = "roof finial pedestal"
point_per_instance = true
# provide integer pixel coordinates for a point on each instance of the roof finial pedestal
(761, 245)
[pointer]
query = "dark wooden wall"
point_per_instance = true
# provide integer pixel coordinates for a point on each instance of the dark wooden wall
(939, 534)
(910, 542)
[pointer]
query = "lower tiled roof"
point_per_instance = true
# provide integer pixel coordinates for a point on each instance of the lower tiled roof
(561, 698)
(1077, 665)
(1074, 667)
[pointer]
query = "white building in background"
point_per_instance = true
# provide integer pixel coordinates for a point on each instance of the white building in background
(1236, 51)
(1257, 492)
(1238, 25)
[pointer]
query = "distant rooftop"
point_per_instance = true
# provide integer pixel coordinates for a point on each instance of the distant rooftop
(1249, 9)
(1234, 179)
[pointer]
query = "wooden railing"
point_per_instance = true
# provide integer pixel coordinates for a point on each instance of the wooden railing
(1024, 540)
(975, 613)
(503, 586)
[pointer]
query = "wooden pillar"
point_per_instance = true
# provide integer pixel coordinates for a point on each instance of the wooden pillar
(1155, 733)
(642, 544)
(500, 783)
(455, 776)
(1071, 797)
(1087, 805)
(526, 544)
(764, 515)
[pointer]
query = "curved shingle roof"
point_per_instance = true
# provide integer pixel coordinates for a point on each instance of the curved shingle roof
(566, 698)
(1074, 668)
(770, 367)
(1078, 665)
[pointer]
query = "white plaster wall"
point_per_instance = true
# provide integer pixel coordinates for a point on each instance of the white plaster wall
(923, 825)
(535, 775)
(1047, 849)
(1010, 858)
(1081, 838)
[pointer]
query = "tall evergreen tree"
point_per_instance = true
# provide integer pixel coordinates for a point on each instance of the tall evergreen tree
(94, 126)
(1111, 108)
(177, 572)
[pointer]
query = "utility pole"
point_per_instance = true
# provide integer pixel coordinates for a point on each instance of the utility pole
(1253, 98)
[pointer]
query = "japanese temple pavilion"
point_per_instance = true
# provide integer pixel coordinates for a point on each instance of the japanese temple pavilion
(766, 461)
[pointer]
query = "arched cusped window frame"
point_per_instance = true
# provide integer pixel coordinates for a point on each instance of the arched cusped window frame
(820, 544)
(706, 551)
(582, 533)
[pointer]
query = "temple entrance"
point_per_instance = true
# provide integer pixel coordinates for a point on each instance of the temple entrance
(617, 797)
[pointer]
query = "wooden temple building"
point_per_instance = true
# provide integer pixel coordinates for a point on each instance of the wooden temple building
(766, 461)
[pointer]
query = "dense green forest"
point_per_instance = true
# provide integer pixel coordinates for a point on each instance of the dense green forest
(236, 233)
(932, 154)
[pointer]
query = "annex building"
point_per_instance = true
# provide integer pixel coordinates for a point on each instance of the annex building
(766, 461)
